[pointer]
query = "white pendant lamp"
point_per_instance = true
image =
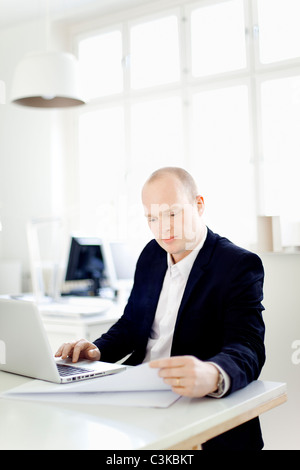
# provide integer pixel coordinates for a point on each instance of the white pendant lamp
(47, 80)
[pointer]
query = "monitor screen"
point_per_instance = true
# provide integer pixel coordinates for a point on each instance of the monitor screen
(124, 259)
(120, 258)
(86, 262)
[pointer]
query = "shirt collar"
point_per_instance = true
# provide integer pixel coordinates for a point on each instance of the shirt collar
(184, 266)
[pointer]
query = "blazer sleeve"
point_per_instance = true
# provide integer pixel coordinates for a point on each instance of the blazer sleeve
(243, 353)
(122, 338)
(129, 335)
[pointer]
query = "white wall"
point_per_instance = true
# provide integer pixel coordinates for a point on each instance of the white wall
(282, 317)
(31, 151)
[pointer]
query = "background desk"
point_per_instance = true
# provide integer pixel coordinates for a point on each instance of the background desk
(188, 422)
(63, 329)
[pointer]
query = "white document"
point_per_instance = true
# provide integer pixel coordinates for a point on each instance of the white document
(153, 399)
(136, 386)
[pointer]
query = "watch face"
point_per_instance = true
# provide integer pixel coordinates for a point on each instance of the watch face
(221, 383)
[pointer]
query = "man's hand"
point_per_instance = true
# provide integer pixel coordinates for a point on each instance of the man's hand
(187, 375)
(82, 349)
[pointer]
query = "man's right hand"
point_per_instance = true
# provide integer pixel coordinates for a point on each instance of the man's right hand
(82, 349)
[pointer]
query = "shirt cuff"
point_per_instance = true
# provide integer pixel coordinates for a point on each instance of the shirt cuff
(227, 382)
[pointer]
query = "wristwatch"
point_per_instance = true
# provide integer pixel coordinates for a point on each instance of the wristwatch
(221, 384)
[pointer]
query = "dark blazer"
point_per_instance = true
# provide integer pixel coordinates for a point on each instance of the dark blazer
(219, 319)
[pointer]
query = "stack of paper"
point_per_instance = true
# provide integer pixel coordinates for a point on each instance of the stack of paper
(136, 386)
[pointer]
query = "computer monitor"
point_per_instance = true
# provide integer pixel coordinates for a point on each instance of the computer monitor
(121, 258)
(86, 262)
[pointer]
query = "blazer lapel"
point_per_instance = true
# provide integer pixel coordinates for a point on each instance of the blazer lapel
(197, 270)
(157, 275)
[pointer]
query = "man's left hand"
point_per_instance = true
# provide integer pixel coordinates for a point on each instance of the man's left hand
(187, 375)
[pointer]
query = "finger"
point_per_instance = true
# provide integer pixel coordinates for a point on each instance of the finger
(172, 372)
(67, 350)
(168, 362)
(60, 350)
(181, 388)
(182, 391)
(175, 382)
(78, 348)
(94, 354)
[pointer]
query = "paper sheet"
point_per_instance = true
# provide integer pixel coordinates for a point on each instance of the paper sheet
(153, 399)
(136, 386)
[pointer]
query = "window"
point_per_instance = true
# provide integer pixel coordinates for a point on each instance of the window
(156, 135)
(281, 144)
(222, 159)
(218, 38)
(100, 59)
(213, 86)
(101, 170)
(279, 33)
(154, 55)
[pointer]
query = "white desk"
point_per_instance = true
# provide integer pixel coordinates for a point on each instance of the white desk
(187, 423)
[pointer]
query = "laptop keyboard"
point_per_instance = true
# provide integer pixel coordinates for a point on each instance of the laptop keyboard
(65, 370)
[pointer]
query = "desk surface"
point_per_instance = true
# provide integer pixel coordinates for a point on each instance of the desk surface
(29, 425)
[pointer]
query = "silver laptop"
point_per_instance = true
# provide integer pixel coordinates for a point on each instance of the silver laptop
(25, 349)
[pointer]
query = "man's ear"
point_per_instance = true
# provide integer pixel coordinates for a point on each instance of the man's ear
(200, 204)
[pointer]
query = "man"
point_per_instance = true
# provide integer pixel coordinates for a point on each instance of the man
(195, 308)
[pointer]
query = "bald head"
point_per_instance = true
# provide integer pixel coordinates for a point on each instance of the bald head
(180, 176)
(174, 210)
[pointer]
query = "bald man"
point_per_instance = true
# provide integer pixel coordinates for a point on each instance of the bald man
(195, 309)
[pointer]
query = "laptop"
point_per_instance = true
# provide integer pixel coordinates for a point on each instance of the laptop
(26, 349)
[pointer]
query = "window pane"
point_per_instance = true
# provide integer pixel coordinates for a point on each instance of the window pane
(156, 141)
(155, 53)
(101, 169)
(279, 32)
(221, 161)
(156, 135)
(100, 59)
(218, 38)
(281, 143)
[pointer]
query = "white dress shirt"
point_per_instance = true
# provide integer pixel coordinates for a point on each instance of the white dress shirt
(161, 336)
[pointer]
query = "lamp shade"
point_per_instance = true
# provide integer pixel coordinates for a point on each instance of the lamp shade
(47, 80)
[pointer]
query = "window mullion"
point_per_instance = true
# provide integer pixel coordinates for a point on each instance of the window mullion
(254, 101)
(184, 44)
(126, 57)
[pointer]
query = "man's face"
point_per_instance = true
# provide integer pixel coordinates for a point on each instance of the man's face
(174, 219)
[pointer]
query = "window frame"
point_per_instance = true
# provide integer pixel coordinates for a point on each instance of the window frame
(253, 75)
(271, 67)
